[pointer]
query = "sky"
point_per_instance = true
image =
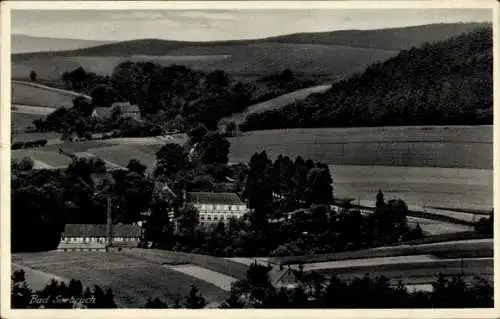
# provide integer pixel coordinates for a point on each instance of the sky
(212, 25)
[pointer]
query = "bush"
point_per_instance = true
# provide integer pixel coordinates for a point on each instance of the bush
(17, 145)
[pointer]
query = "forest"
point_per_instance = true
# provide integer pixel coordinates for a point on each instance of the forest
(443, 83)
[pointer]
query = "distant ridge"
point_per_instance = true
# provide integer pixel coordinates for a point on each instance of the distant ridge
(382, 39)
(21, 43)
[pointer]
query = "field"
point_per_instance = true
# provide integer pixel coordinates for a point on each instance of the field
(23, 137)
(417, 186)
(247, 60)
(219, 265)
(425, 166)
(453, 147)
(273, 104)
(133, 280)
(22, 121)
(38, 95)
(418, 270)
(46, 158)
(418, 273)
(458, 248)
(433, 227)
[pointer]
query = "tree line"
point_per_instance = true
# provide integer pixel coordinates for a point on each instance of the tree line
(444, 83)
(28, 144)
(312, 290)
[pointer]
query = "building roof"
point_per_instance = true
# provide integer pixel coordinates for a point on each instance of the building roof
(103, 111)
(126, 107)
(99, 230)
(214, 198)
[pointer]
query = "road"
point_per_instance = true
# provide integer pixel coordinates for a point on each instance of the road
(32, 109)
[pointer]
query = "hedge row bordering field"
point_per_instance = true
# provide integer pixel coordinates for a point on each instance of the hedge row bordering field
(28, 144)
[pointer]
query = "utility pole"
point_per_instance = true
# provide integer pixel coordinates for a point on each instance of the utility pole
(109, 224)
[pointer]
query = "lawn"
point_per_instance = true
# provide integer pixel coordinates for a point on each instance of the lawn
(133, 280)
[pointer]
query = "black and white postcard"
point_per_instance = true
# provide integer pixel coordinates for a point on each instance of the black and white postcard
(248, 155)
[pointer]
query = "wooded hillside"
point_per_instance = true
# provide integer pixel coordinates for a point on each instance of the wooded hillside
(444, 83)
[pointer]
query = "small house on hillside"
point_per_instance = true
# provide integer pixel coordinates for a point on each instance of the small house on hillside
(102, 112)
(128, 110)
(92, 237)
(125, 109)
(216, 207)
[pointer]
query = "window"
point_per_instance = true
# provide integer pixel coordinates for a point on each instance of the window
(202, 217)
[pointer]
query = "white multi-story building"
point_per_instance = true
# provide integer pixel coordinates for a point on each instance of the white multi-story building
(217, 207)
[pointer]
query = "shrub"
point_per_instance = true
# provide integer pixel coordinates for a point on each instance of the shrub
(17, 145)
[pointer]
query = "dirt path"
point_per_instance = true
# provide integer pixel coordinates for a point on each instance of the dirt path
(217, 279)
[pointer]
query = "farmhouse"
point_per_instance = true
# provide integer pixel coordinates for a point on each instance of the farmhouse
(125, 109)
(102, 112)
(216, 207)
(92, 237)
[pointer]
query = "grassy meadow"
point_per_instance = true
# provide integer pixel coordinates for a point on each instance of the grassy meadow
(133, 280)
(32, 95)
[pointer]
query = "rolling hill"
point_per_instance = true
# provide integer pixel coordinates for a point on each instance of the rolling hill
(392, 39)
(21, 43)
(325, 55)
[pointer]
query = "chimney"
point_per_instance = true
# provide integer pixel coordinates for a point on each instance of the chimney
(109, 225)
